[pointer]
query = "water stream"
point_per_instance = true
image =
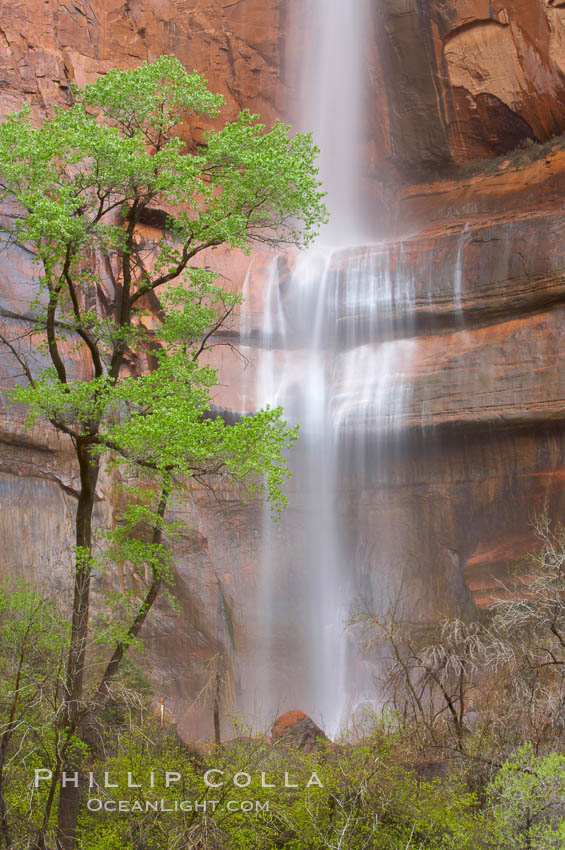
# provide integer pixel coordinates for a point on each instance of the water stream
(326, 353)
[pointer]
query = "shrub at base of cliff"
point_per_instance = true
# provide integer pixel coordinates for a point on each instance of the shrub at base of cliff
(361, 799)
(527, 801)
(353, 797)
(33, 645)
(141, 788)
(476, 688)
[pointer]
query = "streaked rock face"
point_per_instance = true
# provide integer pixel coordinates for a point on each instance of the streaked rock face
(46, 46)
(447, 78)
(470, 78)
(477, 391)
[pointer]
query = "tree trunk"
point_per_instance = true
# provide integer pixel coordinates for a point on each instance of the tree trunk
(217, 709)
(220, 665)
(145, 607)
(69, 795)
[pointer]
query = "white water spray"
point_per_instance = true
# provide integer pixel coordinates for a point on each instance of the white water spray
(326, 353)
(332, 88)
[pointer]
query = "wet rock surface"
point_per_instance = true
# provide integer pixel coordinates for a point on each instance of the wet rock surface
(470, 78)
(296, 729)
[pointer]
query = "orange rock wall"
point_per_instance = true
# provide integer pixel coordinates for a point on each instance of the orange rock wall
(470, 78)
(44, 46)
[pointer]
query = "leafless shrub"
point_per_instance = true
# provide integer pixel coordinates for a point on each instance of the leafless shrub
(485, 683)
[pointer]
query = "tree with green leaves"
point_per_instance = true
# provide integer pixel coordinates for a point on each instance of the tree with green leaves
(139, 312)
(33, 644)
(526, 801)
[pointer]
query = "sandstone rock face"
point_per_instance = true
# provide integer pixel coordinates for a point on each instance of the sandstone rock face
(471, 78)
(46, 46)
(447, 489)
(446, 78)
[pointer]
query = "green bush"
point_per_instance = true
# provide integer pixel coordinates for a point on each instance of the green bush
(527, 801)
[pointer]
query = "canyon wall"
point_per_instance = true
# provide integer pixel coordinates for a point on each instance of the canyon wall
(46, 46)
(479, 448)
(470, 78)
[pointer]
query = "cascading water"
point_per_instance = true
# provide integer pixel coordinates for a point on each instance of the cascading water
(322, 356)
(301, 588)
(331, 100)
(326, 353)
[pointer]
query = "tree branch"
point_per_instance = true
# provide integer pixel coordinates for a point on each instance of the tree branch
(144, 608)
(212, 331)
(81, 331)
(50, 330)
(187, 256)
(19, 358)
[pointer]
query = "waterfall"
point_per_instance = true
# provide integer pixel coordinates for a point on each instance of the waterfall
(331, 105)
(319, 355)
(327, 349)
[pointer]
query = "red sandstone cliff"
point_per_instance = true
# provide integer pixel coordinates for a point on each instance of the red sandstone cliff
(47, 45)
(470, 78)
(447, 78)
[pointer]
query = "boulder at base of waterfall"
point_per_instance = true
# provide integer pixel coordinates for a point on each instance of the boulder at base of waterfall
(296, 729)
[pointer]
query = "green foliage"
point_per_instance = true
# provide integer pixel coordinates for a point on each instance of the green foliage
(353, 796)
(118, 146)
(152, 100)
(126, 312)
(33, 644)
(82, 179)
(359, 793)
(527, 801)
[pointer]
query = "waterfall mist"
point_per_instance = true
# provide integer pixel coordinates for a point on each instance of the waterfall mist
(324, 353)
(331, 102)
